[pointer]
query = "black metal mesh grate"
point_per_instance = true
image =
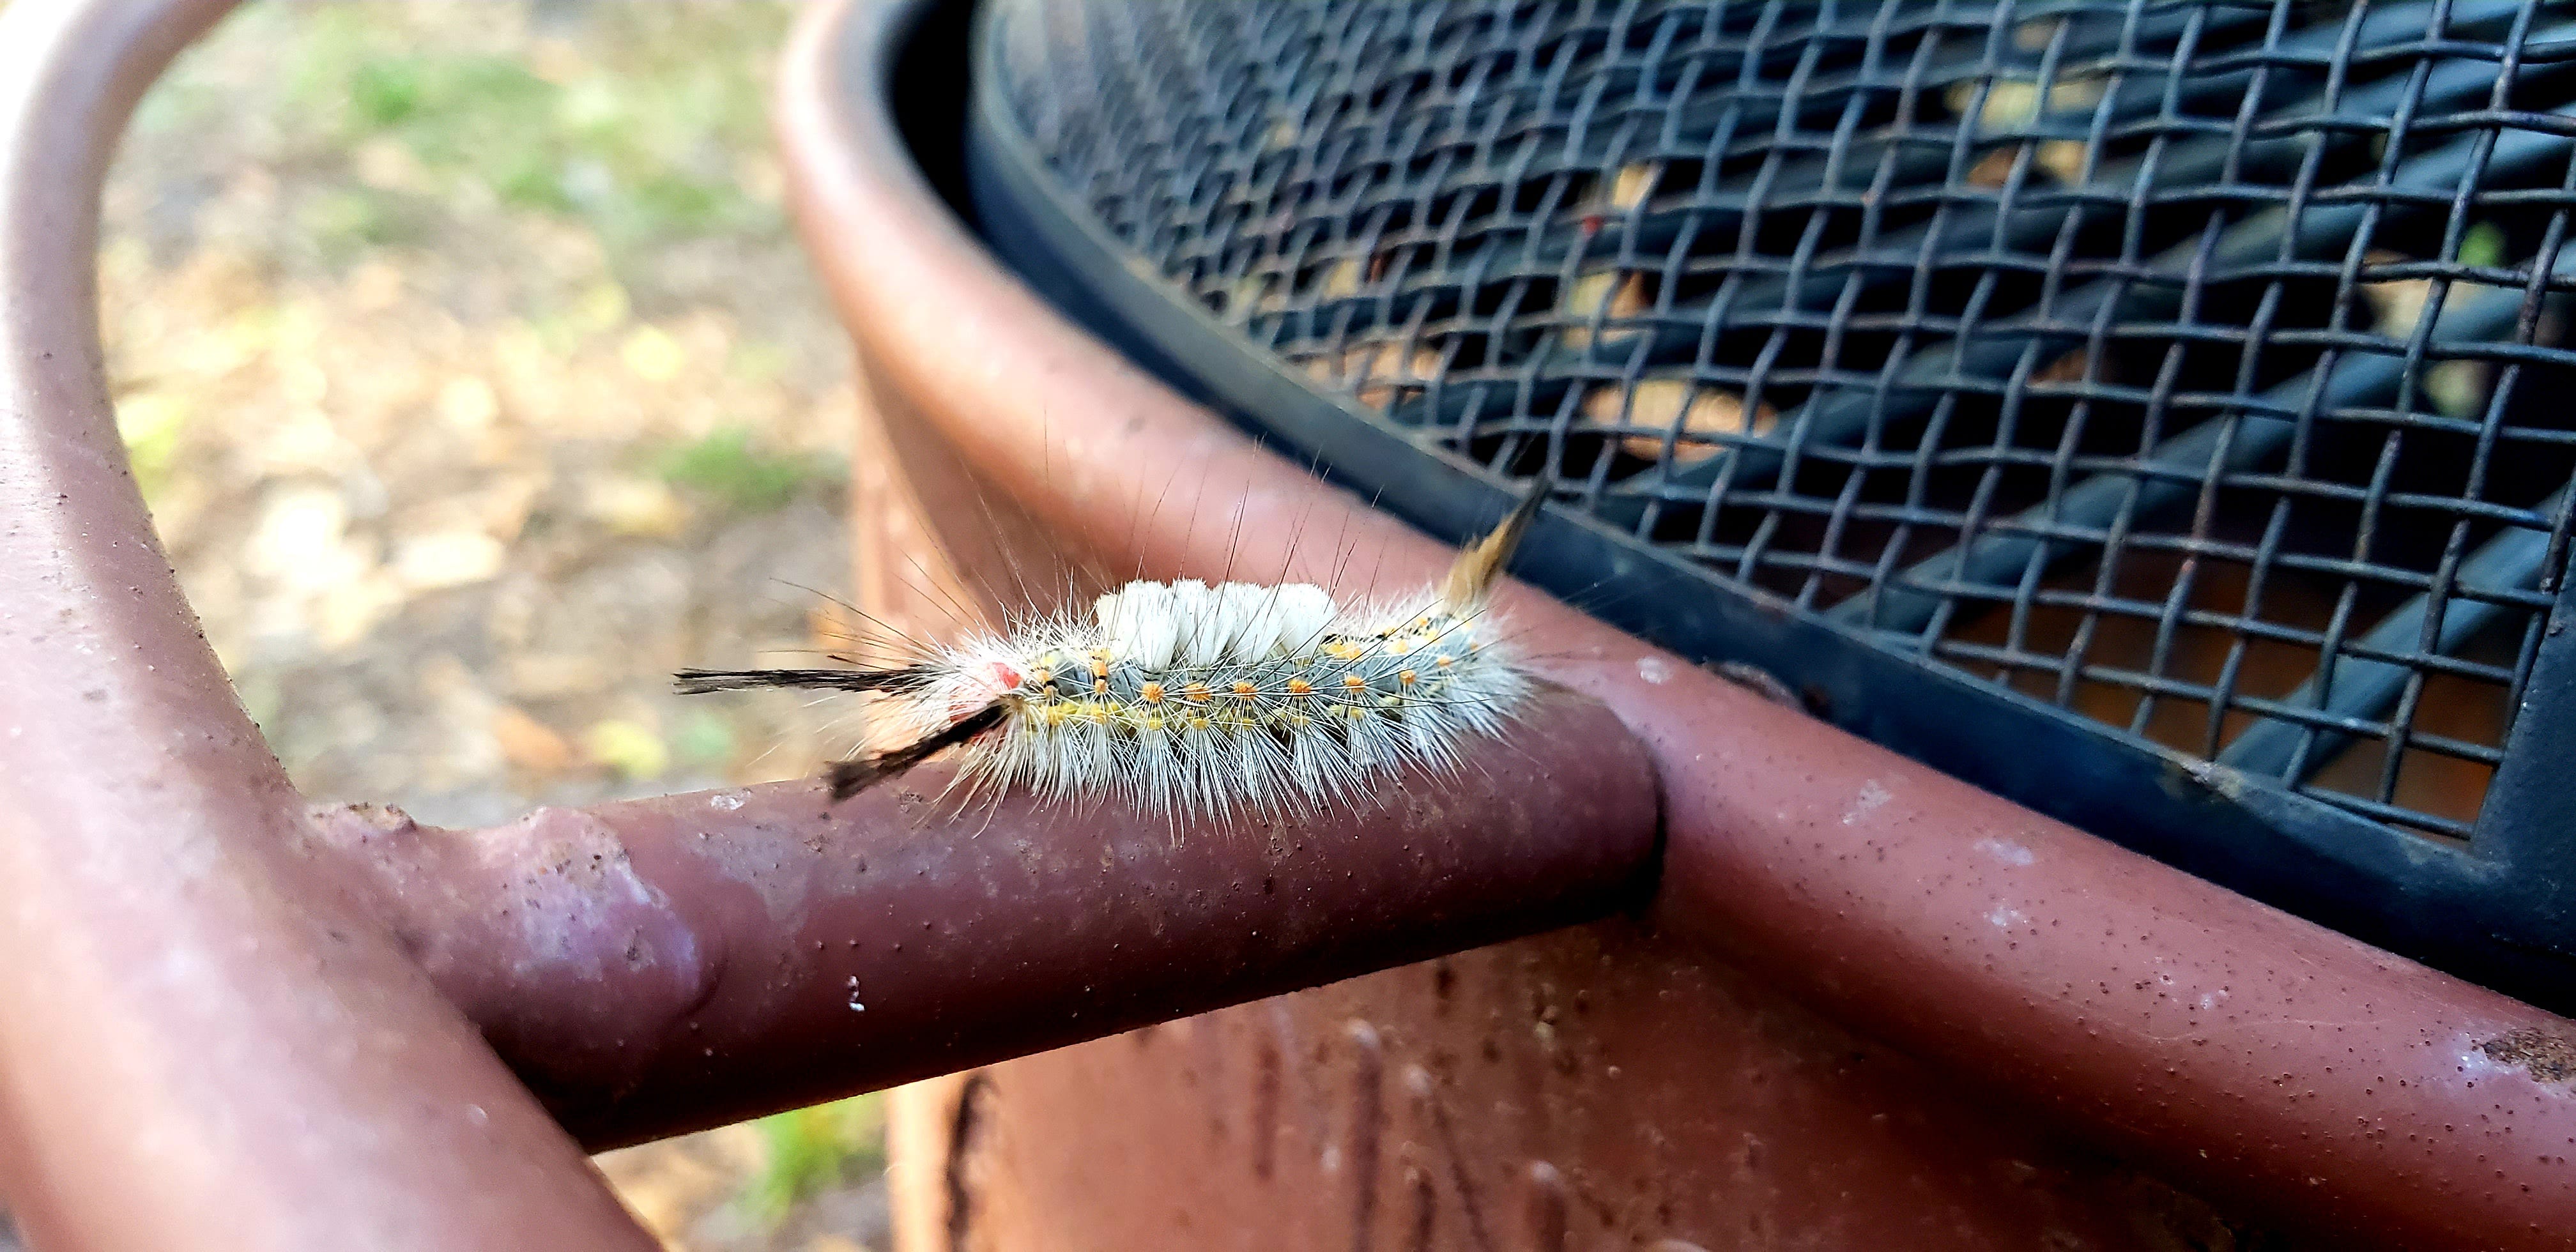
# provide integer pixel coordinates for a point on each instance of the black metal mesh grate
(2198, 368)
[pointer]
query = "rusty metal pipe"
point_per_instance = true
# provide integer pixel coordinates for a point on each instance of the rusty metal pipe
(2248, 1054)
(667, 964)
(207, 1040)
(2266, 1059)
(216, 1002)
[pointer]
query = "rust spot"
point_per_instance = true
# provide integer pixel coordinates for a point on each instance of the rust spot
(1545, 1197)
(1425, 1209)
(2545, 1054)
(967, 1157)
(355, 824)
(1367, 1127)
(1265, 1109)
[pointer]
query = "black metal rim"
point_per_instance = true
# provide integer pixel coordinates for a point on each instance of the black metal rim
(2454, 908)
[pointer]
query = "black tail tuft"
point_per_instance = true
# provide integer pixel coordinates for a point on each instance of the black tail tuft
(694, 682)
(849, 778)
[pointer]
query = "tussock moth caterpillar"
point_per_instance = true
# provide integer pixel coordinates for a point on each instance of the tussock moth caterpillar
(1183, 698)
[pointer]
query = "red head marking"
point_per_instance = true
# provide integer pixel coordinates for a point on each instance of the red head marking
(999, 680)
(1003, 677)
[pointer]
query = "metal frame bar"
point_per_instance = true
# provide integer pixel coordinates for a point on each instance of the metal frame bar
(226, 1021)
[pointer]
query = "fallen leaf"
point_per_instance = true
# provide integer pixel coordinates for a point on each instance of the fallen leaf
(529, 744)
(1380, 374)
(640, 508)
(630, 748)
(1656, 404)
(1615, 295)
(444, 559)
(653, 354)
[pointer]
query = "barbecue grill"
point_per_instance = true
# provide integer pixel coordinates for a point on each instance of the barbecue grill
(2143, 414)
(2153, 413)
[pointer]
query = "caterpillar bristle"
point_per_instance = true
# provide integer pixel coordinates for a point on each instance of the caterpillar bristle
(694, 682)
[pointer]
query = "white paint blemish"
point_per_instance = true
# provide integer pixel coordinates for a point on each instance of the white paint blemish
(2005, 917)
(2005, 850)
(579, 902)
(2474, 1063)
(1872, 797)
(1654, 669)
(727, 801)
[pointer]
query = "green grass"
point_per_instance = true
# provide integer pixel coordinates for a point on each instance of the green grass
(734, 469)
(2483, 246)
(150, 425)
(347, 221)
(811, 1149)
(636, 156)
(638, 136)
(703, 739)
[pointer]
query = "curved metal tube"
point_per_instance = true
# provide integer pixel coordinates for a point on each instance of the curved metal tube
(664, 965)
(206, 1038)
(215, 1002)
(2237, 1049)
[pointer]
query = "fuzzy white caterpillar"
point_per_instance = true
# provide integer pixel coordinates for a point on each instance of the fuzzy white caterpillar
(1188, 699)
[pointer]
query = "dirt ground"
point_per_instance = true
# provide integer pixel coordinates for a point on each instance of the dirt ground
(477, 384)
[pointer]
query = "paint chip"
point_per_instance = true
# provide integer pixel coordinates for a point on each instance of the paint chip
(2545, 1054)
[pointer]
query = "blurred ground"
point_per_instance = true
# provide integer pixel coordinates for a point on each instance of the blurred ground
(477, 384)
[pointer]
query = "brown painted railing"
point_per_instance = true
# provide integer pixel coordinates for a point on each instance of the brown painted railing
(226, 1021)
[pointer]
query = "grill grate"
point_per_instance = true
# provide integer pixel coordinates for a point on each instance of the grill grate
(2199, 370)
